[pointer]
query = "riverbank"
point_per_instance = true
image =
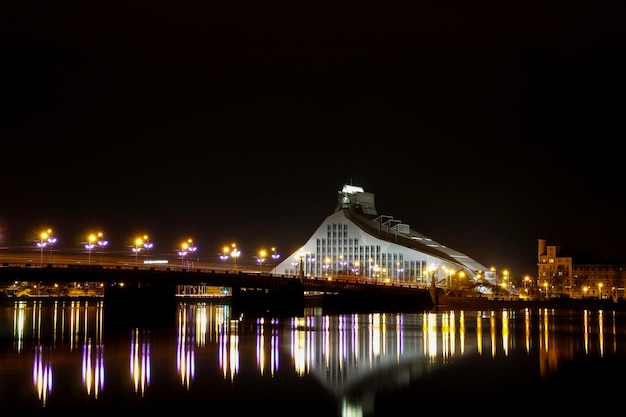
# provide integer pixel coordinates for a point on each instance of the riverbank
(485, 303)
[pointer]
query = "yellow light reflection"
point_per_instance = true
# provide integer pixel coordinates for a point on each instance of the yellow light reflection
(42, 375)
(505, 332)
(601, 332)
(479, 333)
(140, 366)
(492, 326)
(260, 346)
(586, 330)
(185, 355)
(93, 368)
(527, 335)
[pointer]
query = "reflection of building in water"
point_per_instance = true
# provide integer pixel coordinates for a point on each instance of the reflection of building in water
(356, 355)
(353, 356)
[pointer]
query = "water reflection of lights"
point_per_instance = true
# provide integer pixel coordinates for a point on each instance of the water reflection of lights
(344, 352)
(93, 368)
(42, 374)
(19, 315)
(140, 366)
(229, 350)
(185, 354)
(261, 347)
(505, 332)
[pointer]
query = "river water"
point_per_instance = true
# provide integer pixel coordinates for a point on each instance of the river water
(84, 356)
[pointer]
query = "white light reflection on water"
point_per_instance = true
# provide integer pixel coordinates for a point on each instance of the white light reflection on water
(42, 374)
(140, 366)
(352, 356)
(93, 348)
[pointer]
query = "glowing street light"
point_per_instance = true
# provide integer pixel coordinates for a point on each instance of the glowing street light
(137, 249)
(224, 256)
(185, 248)
(275, 257)
(235, 253)
(42, 243)
(102, 243)
(326, 265)
(147, 245)
(51, 241)
(91, 243)
(261, 258)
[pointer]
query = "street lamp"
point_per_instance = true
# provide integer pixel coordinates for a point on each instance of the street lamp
(102, 243)
(51, 241)
(192, 248)
(235, 253)
(600, 290)
(182, 252)
(91, 239)
(42, 244)
(185, 248)
(147, 245)
(137, 249)
(326, 266)
(355, 267)
(224, 256)
(261, 258)
(275, 257)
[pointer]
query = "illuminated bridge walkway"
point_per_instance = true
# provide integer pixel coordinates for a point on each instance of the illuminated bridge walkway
(250, 286)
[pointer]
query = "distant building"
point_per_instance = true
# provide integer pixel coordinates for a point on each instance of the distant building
(577, 274)
(355, 242)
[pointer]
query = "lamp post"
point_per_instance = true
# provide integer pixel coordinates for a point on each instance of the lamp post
(356, 267)
(275, 258)
(261, 258)
(224, 256)
(102, 243)
(51, 241)
(137, 249)
(42, 244)
(91, 239)
(182, 252)
(326, 266)
(147, 245)
(186, 248)
(192, 249)
(600, 290)
(235, 253)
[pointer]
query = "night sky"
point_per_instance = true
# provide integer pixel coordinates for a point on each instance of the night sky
(483, 125)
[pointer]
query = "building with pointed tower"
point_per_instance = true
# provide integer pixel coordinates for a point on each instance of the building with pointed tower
(355, 242)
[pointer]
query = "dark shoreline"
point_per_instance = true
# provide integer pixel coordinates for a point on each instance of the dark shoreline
(485, 303)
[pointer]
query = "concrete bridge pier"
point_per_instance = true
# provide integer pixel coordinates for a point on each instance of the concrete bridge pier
(131, 306)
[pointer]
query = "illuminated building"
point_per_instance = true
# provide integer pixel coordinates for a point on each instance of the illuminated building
(355, 242)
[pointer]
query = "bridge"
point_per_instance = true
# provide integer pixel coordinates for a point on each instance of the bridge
(246, 287)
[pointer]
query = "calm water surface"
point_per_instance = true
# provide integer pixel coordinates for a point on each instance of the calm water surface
(59, 356)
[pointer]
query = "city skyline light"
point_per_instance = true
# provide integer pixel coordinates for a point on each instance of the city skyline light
(483, 127)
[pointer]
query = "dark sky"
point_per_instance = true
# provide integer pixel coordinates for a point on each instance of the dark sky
(484, 125)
